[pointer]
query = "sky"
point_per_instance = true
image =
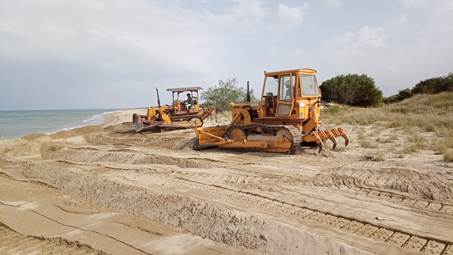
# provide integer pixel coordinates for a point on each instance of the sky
(66, 54)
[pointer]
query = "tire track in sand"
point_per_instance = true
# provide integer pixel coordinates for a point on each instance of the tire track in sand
(388, 235)
(275, 182)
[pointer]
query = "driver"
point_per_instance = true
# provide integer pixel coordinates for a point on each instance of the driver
(189, 101)
(288, 90)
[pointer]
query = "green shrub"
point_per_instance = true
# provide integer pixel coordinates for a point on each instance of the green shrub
(434, 85)
(220, 96)
(429, 86)
(351, 89)
(402, 94)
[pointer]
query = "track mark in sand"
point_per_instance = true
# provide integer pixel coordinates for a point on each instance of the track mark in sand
(139, 228)
(404, 180)
(433, 247)
(358, 185)
(415, 243)
(84, 148)
(33, 181)
(74, 211)
(267, 182)
(12, 242)
(417, 203)
(448, 250)
(388, 235)
(123, 157)
(79, 228)
(274, 183)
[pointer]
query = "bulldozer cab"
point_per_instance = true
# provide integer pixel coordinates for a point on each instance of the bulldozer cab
(290, 94)
(185, 99)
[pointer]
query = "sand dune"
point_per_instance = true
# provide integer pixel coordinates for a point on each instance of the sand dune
(108, 190)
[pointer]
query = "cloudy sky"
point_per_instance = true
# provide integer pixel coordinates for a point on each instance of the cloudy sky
(59, 54)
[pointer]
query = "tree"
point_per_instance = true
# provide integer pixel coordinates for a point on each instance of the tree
(352, 89)
(429, 86)
(402, 94)
(220, 96)
(434, 85)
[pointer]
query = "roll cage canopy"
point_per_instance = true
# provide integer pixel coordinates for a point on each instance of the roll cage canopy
(184, 89)
(293, 71)
(177, 91)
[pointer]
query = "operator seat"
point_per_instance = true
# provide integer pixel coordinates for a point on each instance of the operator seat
(269, 103)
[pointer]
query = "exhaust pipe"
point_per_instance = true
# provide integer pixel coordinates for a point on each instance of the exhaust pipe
(248, 92)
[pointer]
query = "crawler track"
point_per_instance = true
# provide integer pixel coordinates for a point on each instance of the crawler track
(297, 138)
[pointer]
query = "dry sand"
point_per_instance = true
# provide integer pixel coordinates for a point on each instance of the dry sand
(104, 189)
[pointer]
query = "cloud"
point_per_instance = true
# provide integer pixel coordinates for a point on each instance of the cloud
(331, 3)
(99, 44)
(412, 3)
(363, 37)
(287, 18)
(292, 15)
(248, 10)
(449, 4)
(121, 50)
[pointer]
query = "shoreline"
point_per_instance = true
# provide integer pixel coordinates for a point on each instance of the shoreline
(106, 118)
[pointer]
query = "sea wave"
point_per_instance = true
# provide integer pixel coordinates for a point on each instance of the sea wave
(104, 113)
(95, 119)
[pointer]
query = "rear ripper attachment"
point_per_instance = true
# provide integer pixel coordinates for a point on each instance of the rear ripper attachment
(319, 137)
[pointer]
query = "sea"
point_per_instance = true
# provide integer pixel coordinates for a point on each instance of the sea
(19, 123)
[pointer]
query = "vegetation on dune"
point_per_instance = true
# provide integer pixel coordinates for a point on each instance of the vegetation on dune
(221, 95)
(434, 85)
(351, 89)
(360, 90)
(430, 113)
(422, 112)
(400, 96)
(429, 86)
(427, 107)
(446, 148)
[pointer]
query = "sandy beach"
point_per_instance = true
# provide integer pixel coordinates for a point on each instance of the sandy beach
(107, 190)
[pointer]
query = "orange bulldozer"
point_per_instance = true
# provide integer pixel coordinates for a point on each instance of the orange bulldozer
(286, 118)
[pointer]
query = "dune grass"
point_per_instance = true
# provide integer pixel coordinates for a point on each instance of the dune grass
(420, 113)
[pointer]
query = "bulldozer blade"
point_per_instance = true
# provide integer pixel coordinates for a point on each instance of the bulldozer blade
(153, 126)
(140, 125)
(137, 122)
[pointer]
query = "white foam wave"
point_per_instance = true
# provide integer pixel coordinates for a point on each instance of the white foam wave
(96, 119)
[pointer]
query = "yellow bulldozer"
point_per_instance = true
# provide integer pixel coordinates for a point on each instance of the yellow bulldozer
(181, 114)
(286, 117)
